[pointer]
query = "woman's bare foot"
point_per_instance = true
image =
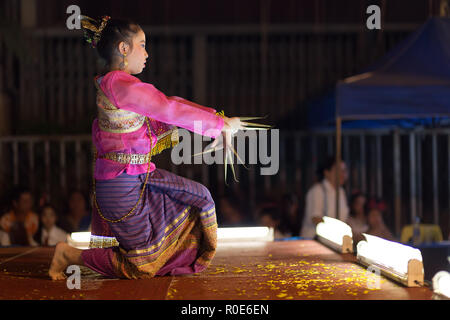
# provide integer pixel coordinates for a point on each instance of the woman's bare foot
(59, 263)
(64, 256)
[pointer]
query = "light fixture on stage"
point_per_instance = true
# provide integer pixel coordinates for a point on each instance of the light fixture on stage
(335, 234)
(441, 283)
(85, 240)
(245, 234)
(395, 260)
(79, 240)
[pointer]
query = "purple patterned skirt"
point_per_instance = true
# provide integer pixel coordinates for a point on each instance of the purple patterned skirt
(173, 230)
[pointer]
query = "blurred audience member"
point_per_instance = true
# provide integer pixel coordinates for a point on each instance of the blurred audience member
(77, 217)
(321, 197)
(229, 213)
(357, 219)
(290, 213)
(49, 234)
(377, 227)
(270, 217)
(4, 239)
(19, 236)
(21, 223)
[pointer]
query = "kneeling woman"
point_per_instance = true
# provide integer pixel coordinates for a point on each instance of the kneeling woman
(163, 223)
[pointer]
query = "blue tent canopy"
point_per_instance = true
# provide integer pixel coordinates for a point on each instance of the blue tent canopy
(411, 81)
(322, 116)
(407, 88)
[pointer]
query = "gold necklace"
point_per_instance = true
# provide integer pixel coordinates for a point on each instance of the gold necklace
(143, 186)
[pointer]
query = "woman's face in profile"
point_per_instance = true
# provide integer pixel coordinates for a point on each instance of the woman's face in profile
(138, 55)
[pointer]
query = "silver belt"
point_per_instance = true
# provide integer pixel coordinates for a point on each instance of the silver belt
(127, 158)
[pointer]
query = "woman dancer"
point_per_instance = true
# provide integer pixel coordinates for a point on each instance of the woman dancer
(163, 223)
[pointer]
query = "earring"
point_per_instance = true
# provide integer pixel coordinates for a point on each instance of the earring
(124, 62)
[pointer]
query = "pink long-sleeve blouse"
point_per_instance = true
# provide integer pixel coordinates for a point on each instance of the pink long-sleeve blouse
(129, 93)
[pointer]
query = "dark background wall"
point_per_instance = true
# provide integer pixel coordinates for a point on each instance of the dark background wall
(213, 12)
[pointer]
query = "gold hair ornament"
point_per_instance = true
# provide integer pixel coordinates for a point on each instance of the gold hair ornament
(91, 24)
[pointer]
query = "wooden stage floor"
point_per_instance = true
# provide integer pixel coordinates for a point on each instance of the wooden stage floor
(284, 270)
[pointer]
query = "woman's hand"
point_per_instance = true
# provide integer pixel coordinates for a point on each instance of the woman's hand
(232, 125)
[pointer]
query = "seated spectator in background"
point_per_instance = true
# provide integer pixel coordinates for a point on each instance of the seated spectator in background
(4, 239)
(19, 235)
(77, 217)
(377, 227)
(21, 223)
(357, 219)
(290, 213)
(321, 197)
(270, 217)
(49, 234)
(229, 214)
(4, 236)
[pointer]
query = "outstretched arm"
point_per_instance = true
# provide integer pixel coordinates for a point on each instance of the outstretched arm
(129, 93)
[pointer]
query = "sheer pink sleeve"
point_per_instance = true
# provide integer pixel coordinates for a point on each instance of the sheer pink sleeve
(182, 100)
(129, 93)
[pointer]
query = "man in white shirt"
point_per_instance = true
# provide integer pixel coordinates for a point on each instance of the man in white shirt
(321, 198)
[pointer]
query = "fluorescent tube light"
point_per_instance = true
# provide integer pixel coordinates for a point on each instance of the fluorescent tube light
(84, 240)
(441, 283)
(395, 260)
(79, 240)
(245, 234)
(335, 234)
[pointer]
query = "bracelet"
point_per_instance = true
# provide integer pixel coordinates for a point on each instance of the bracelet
(221, 114)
